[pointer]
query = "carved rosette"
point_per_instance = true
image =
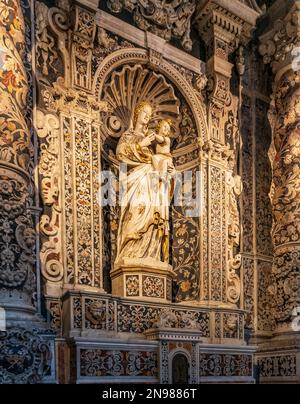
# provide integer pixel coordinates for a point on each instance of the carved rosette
(17, 235)
(277, 47)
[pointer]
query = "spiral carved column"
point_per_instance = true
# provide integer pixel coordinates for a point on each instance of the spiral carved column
(277, 47)
(17, 234)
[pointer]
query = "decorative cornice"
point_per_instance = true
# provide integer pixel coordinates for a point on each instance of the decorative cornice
(149, 41)
(230, 22)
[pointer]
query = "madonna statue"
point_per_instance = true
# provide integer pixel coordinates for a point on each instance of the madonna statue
(144, 223)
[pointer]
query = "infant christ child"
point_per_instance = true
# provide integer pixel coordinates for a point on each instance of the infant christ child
(162, 161)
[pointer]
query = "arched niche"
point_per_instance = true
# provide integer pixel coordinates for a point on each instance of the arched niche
(180, 368)
(112, 76)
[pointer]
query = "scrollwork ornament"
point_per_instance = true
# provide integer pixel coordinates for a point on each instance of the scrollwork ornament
(163, 19)
(234, 185)
(48, 130)
(277, 44)
(277, 47)
(25, 357)
(17, 236)
(45, 43)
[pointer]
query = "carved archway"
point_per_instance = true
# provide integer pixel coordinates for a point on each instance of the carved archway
(128, 63)
(140, 56)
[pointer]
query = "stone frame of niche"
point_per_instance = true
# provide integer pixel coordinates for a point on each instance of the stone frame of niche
(133, 56)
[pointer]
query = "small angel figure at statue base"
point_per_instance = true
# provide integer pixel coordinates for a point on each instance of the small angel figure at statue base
(162, 160)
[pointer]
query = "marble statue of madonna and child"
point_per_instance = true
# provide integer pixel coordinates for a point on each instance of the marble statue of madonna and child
(143, 233)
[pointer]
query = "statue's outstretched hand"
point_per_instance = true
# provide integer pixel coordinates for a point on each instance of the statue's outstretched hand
(148, 140)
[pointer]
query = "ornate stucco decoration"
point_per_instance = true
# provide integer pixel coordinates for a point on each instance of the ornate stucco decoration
(277, 44)
(224, 26)
(60, 98)
(165, 19)
(17, 235)
(277, 48)
(48, 130)
(51, 25)
(149, 86)
(83, 36)
(25, 357)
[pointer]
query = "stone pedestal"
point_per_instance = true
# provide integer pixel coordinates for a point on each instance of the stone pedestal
(144, 279)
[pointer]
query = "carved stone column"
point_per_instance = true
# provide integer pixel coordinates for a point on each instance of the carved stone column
(17, 235)
(279, 48)
(223, 26)
(18, 284)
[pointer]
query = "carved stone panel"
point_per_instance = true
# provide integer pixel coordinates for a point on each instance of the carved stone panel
(167, 20)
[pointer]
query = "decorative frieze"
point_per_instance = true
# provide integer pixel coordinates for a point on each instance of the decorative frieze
(97, 363)
(167, 20)
(280, 366)
(225, 365)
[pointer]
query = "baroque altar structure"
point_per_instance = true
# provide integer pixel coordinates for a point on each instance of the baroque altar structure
(95, 286)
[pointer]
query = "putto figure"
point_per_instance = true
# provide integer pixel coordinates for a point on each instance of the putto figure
(162, 160)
